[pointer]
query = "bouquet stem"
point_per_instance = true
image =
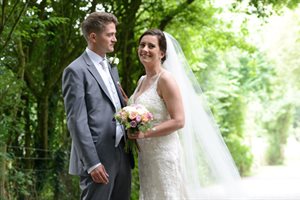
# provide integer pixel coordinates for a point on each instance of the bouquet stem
(137, 145)
(132, 145)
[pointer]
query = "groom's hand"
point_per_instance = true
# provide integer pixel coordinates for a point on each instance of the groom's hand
(123, 93)
(99, 175)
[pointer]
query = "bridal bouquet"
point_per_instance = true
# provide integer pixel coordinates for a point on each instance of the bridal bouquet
(135, 118)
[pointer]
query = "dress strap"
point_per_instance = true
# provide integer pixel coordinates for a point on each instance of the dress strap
(138, 87)
(139, 84)
(157, 78)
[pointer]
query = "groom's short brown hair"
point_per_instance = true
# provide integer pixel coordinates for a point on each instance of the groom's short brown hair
(96, 22)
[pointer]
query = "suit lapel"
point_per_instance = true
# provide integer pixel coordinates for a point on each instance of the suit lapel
(92, 69)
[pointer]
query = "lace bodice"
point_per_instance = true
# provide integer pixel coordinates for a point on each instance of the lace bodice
(152, 101)
(159, 158)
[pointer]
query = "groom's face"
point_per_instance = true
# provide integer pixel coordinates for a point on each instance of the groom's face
(104, 42)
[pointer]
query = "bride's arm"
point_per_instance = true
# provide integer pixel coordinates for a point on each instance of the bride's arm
(169, 91)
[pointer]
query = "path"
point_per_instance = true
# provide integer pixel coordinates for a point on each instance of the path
(274, 182)
(277, 182)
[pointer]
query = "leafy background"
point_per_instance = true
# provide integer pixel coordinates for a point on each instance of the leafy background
(245, 55)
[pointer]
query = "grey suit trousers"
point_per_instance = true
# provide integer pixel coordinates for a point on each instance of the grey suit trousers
(119, 186)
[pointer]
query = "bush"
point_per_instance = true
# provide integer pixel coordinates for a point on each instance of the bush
(241, 154)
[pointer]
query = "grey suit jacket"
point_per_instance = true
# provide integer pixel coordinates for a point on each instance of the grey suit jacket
(90, 114)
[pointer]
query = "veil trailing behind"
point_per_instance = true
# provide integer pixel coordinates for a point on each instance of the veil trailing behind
(209, 170)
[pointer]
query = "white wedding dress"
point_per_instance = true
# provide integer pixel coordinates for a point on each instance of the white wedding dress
(160, 164)
(193, 162)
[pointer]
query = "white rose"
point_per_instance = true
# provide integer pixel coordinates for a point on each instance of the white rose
(114, 60)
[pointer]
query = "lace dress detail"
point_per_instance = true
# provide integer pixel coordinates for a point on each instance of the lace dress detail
(159, 158)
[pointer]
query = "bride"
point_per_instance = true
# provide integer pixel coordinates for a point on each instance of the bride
(183, 156)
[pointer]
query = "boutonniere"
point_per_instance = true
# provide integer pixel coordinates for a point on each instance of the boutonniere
(113, 60)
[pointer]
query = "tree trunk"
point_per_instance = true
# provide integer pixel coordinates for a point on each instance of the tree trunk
(126, 44)
(41, 142)
(2, 170)
(43, 113)
(28, 133)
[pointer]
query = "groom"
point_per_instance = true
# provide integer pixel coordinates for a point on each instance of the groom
(91, 98)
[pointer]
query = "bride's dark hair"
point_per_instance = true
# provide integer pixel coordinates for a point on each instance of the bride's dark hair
(162, 42)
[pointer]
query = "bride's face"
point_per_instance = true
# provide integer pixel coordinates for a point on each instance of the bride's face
(149, 51)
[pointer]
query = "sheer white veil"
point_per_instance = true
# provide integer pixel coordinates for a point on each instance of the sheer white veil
(209, 170)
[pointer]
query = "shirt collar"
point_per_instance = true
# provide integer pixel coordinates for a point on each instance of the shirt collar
(93, 56)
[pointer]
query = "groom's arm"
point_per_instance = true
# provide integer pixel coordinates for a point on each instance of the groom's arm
(77, 117)
(125, 97)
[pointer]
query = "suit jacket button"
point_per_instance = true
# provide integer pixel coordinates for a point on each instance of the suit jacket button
(113, 119)
(114, 137)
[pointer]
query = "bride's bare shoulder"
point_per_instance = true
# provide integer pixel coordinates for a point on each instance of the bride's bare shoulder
(167, 81)
(166, 77)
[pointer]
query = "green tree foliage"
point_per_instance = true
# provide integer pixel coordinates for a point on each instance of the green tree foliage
(283, 49)
(40, 38)
(231, 80)
(278, 130)
(36, 53)
(266, 8)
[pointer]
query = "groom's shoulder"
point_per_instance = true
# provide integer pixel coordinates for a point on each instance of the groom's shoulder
(77, 63)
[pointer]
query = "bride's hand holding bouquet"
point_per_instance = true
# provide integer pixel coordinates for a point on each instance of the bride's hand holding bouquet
(136, 120)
